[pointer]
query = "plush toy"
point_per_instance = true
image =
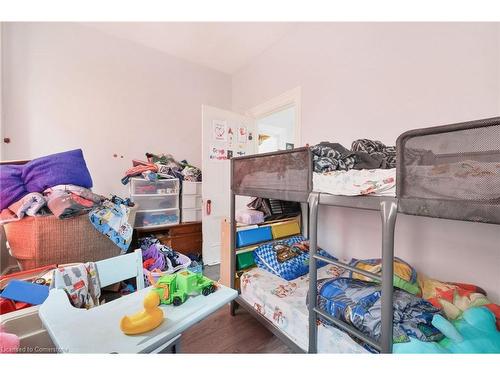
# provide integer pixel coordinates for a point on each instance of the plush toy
(9, 343)
(474, 332)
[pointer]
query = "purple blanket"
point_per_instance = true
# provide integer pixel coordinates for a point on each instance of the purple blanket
(11, 185)
(39, 174)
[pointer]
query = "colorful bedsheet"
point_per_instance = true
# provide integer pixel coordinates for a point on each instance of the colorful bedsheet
(283, 303)
(379, 182)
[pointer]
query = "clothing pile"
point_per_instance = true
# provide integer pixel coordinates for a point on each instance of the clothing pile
(456, 298)
(364, 154)
(60, 185)
(160, 258)
(358, 303)
(162, 166)
(80, 282)
(111, 218)
(419, 302)
(274, 209)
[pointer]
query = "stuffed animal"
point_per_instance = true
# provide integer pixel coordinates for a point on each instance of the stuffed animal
(9, 343)
(474, 332)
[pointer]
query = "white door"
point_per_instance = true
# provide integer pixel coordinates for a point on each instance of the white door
(224, 134)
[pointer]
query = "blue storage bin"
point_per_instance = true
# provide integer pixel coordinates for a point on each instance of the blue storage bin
(252, 236)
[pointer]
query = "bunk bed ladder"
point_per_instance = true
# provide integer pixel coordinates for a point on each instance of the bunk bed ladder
(388, 212)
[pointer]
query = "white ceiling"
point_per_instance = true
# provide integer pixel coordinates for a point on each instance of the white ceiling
(223, 46)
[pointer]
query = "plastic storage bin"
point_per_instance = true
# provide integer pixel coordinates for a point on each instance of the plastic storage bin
(191, 201)
(156, 202)
(140, 186)
(244, 260)
(191, 188)
(156, 218)
(249, 237)
(289, 228)
(191, 215)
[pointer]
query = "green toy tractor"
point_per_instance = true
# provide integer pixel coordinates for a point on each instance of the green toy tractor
(175, 289)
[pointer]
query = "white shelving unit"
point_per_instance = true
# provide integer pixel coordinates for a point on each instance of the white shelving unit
(191, 201)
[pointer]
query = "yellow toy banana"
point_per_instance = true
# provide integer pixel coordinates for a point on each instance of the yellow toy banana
(146, 320)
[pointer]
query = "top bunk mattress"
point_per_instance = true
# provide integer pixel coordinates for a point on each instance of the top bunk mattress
(376, 182)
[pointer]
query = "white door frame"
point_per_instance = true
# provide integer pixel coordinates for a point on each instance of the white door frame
(287, 99)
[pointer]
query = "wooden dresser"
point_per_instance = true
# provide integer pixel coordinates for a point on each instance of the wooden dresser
(186, 238)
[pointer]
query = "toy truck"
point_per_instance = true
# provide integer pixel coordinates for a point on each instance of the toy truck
(175, 289)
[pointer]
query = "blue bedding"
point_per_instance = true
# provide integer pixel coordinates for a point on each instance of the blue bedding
(357, 303)
(288, 259)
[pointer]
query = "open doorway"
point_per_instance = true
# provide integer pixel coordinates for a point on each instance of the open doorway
(278, 122)
(276, 131)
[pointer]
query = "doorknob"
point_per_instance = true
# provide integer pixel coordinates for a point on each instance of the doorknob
(209, 207)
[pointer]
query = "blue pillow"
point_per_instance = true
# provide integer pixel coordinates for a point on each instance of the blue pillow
(11, 185)
(67, 167)
(266, 257)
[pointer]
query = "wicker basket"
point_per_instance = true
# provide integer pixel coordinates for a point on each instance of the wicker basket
(40, 241)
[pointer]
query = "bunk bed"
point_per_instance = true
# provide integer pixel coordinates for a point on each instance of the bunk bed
(449, 172)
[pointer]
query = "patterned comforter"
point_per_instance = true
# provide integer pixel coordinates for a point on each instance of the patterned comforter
(379, 182)
(283, 304)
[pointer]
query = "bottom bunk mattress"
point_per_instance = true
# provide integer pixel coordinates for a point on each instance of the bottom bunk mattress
(283, 303)
(379, 182)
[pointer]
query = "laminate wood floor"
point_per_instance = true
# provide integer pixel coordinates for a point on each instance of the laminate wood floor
(223, 333)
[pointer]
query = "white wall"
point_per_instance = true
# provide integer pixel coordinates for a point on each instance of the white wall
(70, 86)
(376, 81)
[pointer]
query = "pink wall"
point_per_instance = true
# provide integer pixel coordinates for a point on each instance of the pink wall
(377, 80)
(70, 86)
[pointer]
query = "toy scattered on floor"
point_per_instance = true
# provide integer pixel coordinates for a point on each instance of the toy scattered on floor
(31, 275)
(126, 288)
(146, 320)
(196, 267)
(174, 289)
(9, 343)
(474, 332)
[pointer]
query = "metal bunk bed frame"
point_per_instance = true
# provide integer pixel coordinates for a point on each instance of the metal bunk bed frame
(310, 201)
(460, 208)
(297, 196)
(484, 210)
(388, 208)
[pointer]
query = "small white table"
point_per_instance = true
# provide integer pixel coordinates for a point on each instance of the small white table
(97, 330)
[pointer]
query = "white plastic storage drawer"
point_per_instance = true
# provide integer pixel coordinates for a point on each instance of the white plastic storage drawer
(156, 218)
(191, 188)
(191, 215)
(143, 187)
(191, 201)
(156, 202)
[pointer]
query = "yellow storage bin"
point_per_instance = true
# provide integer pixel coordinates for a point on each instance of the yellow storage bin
(286, 229)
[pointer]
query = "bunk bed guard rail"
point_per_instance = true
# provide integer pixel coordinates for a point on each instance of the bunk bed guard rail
(451, 171)
(284, 175)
